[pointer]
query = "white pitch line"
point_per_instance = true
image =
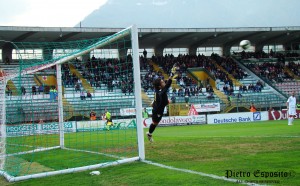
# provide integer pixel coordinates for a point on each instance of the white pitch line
(31, 151)
(20, 145)
(201, 173)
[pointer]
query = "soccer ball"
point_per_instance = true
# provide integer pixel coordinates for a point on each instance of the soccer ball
(245, 44)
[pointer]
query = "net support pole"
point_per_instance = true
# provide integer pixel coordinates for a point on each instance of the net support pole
(137, 91)
(3, 124)
(60, 106)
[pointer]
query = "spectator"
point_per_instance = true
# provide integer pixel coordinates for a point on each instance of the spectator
(23, 90)
(145, 113)
(89, 95)
(8, 91)
(145, 53)
(33, 89)
(240, 88)
(103, 116)
(252, 108)
(210, 95)
(271, 53)
(82, 96)
(225, 89)
(7, 61)
(51, 93)
(229, 98)
(244, 88)
(110, 86)
(79, 82)
(93, 116)
(186, 98)
(55, 94)
(174, 91)
(180, 92)
(181, 82)
(200, 91)
(173, 98)
(41, 88)
(77, 87)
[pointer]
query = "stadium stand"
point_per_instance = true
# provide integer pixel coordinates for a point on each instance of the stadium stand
(245, 77)
(279, 70)
(242, 80)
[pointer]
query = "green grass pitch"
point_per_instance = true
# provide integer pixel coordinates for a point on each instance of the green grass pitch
(249, 151)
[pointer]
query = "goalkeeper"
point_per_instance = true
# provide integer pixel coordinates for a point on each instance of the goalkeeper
(160, 102)
(109, 122)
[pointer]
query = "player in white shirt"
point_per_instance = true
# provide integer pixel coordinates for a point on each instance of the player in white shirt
(291, 106)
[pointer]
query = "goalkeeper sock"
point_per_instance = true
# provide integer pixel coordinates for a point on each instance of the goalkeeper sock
(152, 128)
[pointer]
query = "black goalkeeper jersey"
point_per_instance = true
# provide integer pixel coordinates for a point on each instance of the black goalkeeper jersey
(161, 99)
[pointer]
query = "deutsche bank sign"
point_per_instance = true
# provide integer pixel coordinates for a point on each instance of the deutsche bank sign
(237, 117)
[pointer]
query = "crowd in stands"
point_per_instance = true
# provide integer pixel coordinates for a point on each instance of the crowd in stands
(274, 72)
(281, 57)
(230, 66)
(182, 62)
(277, 72)
(98, 72)
(257, 87)
(111, 74)
(188, 86)
(295, 68)
(117, 73)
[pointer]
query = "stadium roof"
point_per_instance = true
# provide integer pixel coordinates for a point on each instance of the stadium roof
(160, 37)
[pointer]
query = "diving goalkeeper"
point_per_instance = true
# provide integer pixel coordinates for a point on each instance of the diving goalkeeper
(160, 102)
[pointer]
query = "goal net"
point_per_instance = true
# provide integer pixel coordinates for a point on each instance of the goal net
(64, 106)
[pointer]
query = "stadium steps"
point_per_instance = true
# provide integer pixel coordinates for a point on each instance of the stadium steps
(29, 111)
(85, 83)
(234, 109)
(289, 72)
(228, 109)
(12, 87)
(158, 69)
(146, 98)
(234, 81)
(68, 108)
(27, 80)
(222, 96)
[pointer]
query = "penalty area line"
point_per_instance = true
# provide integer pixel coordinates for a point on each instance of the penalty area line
(199, 173)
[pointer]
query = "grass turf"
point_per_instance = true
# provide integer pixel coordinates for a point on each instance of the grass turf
(270, 146)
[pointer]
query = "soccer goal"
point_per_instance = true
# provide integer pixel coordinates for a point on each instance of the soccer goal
(62, 106)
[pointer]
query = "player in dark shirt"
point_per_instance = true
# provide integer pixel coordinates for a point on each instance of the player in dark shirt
(160, 102)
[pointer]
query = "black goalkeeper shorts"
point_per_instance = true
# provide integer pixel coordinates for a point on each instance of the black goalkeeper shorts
(156, 117)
